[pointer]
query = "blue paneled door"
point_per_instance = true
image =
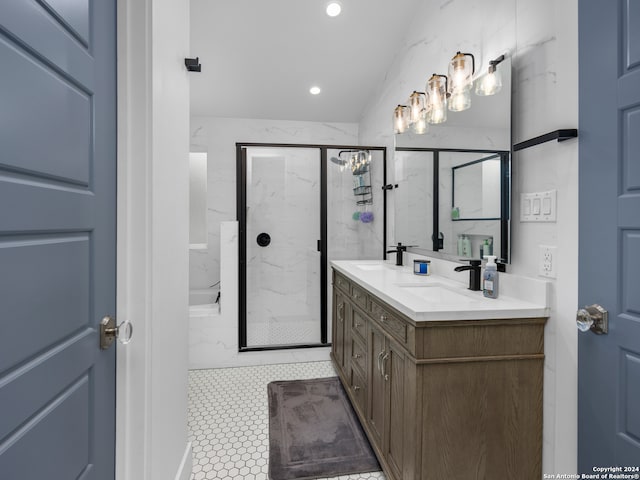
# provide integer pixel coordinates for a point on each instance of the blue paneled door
(57, 238)
(609, 365)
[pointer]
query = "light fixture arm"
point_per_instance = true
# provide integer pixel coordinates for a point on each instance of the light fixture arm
(493, 63)
(446, 83)
(473, 61)
(497, 60)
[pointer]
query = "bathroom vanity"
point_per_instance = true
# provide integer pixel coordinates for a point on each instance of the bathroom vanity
(447, 384)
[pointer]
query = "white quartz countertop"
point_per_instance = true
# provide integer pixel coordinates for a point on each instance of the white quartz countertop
(435, 297)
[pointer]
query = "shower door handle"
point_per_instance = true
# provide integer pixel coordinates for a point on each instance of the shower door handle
(263, 239)
(319, 245)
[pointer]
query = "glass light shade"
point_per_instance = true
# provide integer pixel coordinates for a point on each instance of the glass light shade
(490, 83)
(421, 125)
(400, 119)
(460, 101)
(460, 72)
(416, 106)
(437, 99)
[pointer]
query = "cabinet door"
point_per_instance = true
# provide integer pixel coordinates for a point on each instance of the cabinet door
(377, 392)
(393, 373)
(339, 327)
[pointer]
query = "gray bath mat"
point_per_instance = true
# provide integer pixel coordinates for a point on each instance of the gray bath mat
(314, 432)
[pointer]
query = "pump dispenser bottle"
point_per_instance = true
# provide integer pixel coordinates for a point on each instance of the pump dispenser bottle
(490, 278)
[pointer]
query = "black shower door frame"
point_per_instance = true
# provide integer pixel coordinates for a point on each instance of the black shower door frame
(241, 209)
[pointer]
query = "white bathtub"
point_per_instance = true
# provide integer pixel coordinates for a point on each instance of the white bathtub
(204, 310)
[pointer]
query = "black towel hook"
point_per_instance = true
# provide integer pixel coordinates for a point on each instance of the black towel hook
(193, 64)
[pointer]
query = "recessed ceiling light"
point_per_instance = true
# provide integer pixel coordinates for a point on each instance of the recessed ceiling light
(314, 90)
(334, 9)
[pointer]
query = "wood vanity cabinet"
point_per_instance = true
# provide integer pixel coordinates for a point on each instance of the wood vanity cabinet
(441, 399)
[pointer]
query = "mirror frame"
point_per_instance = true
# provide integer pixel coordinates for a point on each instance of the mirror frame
(505, 199)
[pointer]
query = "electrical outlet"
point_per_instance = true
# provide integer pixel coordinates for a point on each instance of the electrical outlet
(547, 259)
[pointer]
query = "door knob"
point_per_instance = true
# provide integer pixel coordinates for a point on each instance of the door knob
(594, 318)
(109, 332)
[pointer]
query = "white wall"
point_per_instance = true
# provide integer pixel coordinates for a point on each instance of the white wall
(544, 48)
(153, 212)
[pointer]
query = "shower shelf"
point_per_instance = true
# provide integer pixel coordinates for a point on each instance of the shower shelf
(362, 185)
(364, 190)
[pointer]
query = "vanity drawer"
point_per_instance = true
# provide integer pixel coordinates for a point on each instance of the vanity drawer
(390, 322)
(358, 355)
(359, 297)
(358, 325)
(341, 282)
(358, 389)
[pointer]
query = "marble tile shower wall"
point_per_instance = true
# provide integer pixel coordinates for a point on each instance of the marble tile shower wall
(541, 37)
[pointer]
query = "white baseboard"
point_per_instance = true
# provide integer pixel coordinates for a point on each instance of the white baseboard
(184, 470)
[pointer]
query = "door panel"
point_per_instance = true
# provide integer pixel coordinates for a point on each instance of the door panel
(395, 367)
(283, 293)
(65, 144)
(73, 16)
(377, 400)
(57, 238)
(342, 312)
(608, 365)
(63, 287)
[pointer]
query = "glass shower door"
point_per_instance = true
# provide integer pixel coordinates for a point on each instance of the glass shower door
(282, 257)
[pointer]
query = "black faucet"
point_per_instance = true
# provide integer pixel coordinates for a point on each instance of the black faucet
(474, 273)
(398, 251)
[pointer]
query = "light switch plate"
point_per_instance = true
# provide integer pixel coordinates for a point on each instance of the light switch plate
(539, 206)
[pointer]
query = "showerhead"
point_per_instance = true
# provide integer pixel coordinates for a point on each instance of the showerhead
(338, 161)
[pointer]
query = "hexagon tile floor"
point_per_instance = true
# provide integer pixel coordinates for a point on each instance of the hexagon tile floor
(229, 423)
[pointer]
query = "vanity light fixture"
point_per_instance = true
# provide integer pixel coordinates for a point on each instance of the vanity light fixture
(315, 90)
(334, 9)
(491, 82)
(461, 69)
(437, 99)
(400, 119)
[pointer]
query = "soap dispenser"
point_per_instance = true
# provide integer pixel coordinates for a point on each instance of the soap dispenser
(490, 278)
(466, 246)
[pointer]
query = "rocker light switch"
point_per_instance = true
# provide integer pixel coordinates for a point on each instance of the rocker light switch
(538, 207)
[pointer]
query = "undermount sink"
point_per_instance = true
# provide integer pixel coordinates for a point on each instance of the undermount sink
(436, 293)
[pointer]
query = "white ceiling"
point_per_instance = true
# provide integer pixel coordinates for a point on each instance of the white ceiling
(260, 57)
